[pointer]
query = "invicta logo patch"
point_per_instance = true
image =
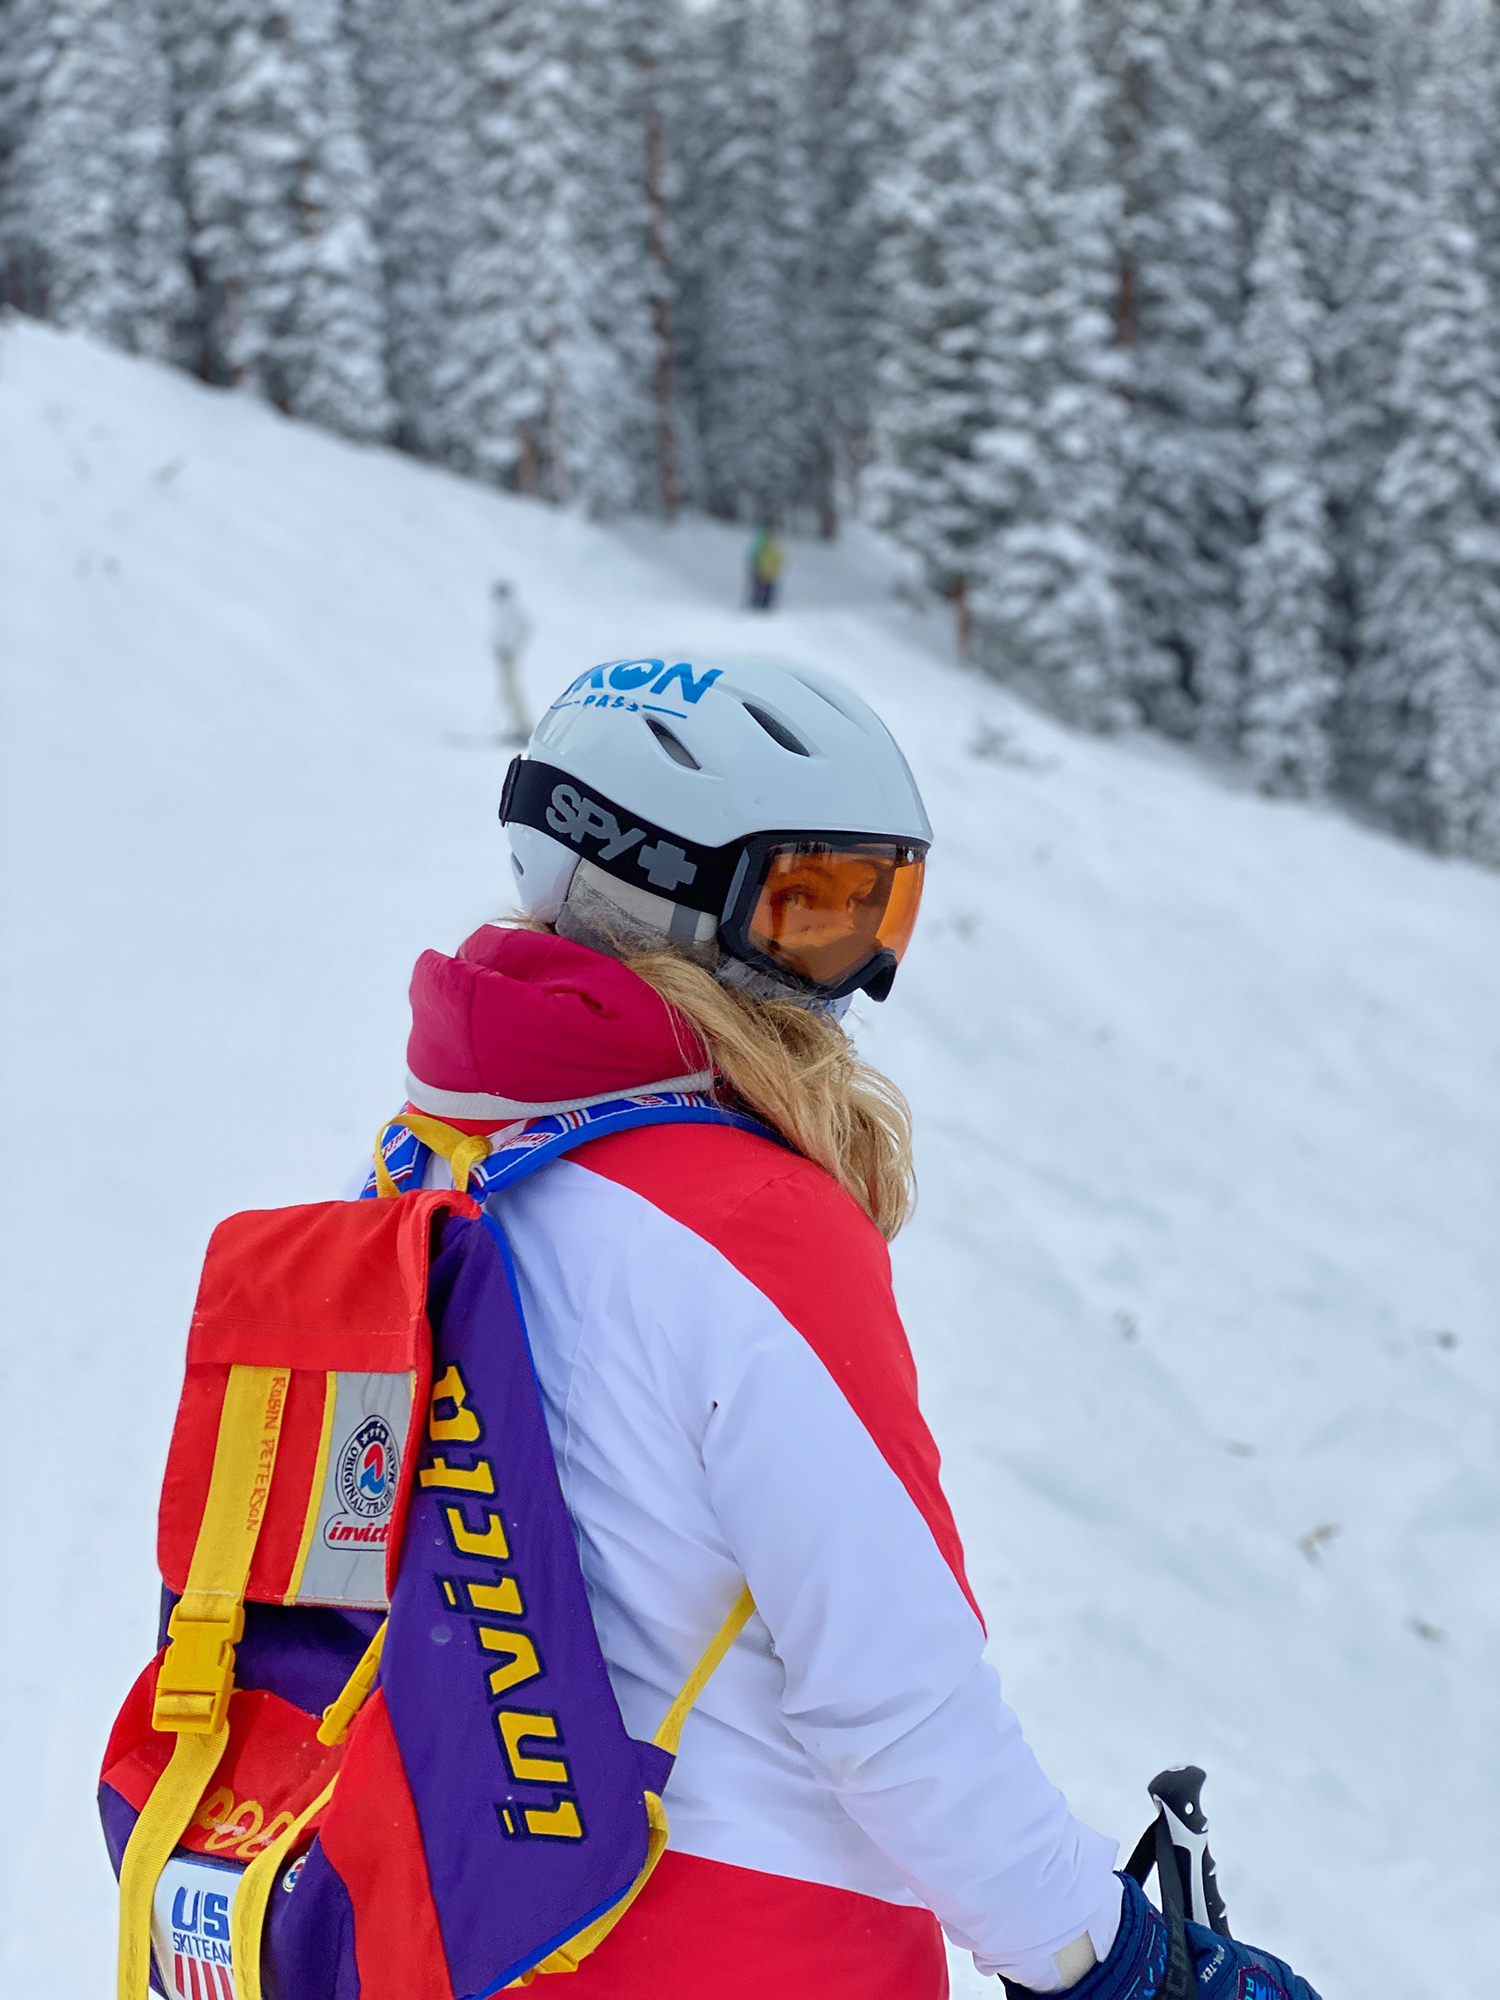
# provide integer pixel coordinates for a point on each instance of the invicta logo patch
(485, 1587)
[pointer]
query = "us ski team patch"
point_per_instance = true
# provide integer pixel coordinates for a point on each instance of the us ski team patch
(190, 1928)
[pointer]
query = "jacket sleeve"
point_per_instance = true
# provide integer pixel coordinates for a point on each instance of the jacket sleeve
(824, 1478)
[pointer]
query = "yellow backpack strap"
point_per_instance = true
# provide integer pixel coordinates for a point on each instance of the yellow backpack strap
(247, 1919)
(462, 1150)
(341, 1712)
(196, 1677)
(670, 1734)
(164, 1818)
(568, 1957)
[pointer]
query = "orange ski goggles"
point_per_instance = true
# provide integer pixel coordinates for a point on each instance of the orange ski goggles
(833, 912)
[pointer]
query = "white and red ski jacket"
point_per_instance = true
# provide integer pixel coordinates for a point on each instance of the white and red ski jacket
(731, 1396)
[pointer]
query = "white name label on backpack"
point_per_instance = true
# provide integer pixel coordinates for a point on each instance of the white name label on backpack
(190, 1927)
(346, 1555)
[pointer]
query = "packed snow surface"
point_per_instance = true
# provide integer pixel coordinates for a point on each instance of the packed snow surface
(1203, 1283)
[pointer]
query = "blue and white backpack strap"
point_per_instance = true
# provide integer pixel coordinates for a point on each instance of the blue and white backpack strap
(546, 1138)
(406, 1162)
(560, 1132)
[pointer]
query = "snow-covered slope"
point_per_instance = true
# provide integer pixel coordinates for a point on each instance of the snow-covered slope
(1204, 1282)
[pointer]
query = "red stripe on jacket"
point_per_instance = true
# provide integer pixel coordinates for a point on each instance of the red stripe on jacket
(792, 1231)
(702, 1930)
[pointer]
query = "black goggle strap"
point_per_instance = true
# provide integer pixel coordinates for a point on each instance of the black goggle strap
(620, 842)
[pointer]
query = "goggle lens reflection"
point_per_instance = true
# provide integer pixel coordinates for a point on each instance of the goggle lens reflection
(824, 912)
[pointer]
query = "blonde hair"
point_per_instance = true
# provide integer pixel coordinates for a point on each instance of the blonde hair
(790, 1066)
(797, 1069)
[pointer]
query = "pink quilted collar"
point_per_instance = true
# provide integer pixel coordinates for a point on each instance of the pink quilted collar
(520, 1023)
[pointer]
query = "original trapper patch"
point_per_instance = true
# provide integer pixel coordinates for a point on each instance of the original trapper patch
(345, 1562)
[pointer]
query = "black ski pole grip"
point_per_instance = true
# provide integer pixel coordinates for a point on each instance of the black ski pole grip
(1176, 1846)
(1178, 1796)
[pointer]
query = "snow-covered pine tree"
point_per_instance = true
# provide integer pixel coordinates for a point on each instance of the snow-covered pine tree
(1185, 509)
(941, 263)
(744, 235)
(545, 376)
(1364, 322)
(336, 346)
(92, 233)
(404, 65)
(623, 53)
(490, 389)
(1290, 685)
(1048, 609)
(1305, 119)
(684, 86)
(1300, 118)
(279, 195)
(1475, 40)
(851, 46)
(1422, 716)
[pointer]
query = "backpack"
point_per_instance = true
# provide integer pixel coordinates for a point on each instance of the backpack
(378, 1756)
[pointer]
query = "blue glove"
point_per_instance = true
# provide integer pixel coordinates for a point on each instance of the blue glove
(1219, 1968)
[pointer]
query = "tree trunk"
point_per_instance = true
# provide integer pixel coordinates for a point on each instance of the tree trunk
(557, 441)
(828, 505)
(963, 617)
(526, 461)
(661, 309)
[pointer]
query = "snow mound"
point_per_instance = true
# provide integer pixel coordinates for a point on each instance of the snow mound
(1203, 1285)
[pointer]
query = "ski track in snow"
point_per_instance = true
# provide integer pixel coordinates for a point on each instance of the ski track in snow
(1203, 1284)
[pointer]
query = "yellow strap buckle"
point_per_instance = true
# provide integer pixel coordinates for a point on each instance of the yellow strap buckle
(341, 1712)
(197, 1674)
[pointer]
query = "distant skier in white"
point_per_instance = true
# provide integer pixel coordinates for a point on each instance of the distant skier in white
(510, 634)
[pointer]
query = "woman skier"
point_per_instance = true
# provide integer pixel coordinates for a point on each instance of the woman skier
(710, 862)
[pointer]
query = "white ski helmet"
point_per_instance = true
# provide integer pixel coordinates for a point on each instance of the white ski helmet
(755, 813)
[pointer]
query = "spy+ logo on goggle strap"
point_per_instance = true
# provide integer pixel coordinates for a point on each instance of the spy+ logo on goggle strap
(621, 843)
